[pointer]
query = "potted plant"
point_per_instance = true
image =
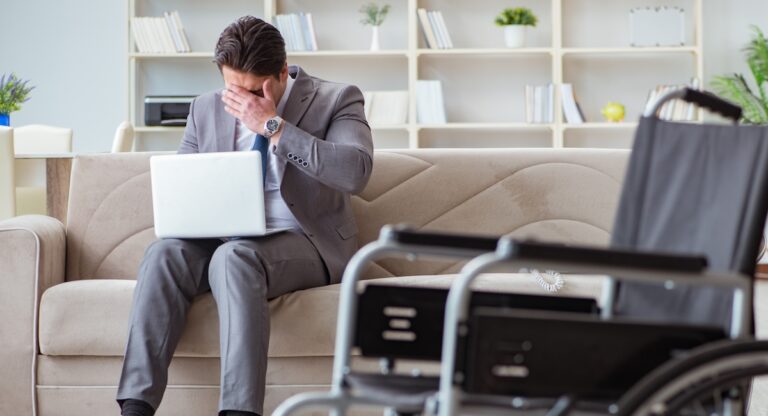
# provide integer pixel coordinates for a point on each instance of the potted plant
(13, 92)
(736, 88)
(515, 22)
(374, 15)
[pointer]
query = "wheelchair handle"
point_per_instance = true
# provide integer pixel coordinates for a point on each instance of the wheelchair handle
(703, 99)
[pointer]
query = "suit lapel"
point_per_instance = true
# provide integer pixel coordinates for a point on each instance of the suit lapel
(303, 92)
(224, 127)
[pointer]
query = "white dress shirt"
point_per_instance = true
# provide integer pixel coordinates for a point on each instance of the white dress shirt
(276, 211)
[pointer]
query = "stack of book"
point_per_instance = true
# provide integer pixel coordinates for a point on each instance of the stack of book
(430, 108)
(386, 108)
(571, 108)
(298, 30)
(675, 110)
(434, 29)
(539, 104)
(160, 34)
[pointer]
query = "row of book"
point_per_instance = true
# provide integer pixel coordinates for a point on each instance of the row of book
(540, 104)
(675, 110)
(160, 34)
(434, 29)
(298, 30)
(386, 108)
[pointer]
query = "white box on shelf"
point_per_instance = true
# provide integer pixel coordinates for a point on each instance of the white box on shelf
(657, 26)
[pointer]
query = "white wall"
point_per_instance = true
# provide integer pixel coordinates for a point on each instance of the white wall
(74, 52)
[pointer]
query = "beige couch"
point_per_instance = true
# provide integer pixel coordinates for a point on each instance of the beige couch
(65, 292)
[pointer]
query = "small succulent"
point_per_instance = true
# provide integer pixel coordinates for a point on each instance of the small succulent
(736, 88)
(373, 14)
(517, 16)
(13, 92)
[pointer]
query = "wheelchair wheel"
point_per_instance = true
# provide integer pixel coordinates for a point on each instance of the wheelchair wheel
(713, 380)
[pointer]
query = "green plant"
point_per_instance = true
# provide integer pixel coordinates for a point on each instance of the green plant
(13, 92)
(736, 88)
(516, 16)
(373, 14)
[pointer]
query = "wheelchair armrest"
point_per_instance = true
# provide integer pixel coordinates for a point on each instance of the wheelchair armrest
(411, 237)
(585, 256)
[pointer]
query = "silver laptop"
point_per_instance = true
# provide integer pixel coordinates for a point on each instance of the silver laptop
(208, 195)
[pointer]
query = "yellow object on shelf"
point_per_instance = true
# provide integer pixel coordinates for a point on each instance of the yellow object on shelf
(613, 112)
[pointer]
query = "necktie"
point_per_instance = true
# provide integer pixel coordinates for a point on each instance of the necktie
(261, 144)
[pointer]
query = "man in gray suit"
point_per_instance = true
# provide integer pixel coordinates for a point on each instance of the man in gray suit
(318, 151)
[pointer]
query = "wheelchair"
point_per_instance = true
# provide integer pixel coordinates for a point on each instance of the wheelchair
(673, 334)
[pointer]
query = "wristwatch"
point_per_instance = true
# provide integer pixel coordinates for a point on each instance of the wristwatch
(272, 125)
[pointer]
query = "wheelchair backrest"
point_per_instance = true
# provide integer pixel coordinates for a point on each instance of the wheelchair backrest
(692, 189)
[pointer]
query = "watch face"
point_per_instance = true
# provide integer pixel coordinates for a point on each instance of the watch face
(272, 125)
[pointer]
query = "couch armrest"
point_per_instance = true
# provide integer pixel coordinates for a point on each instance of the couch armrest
(32, 255)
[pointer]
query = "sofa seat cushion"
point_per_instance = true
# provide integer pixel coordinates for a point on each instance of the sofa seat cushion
(90, 317)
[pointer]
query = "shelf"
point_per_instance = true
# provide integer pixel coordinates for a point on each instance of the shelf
(600, 126)
(337, 53)
(172, 55)
(484, 51)
(158, 129)
(630, 50)
(485, 126)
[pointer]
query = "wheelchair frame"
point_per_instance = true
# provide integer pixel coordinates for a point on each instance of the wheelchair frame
(484, 259)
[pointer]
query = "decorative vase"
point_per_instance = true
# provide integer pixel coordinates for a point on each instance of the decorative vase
(375, 39)
(5, 120)
(514, 35)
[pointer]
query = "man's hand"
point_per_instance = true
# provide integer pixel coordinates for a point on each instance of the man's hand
(249, 108)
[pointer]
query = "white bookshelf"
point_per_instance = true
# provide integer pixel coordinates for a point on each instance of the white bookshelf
(483, 82)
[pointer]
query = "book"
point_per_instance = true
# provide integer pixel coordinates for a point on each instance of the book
(296, 29)
(448, 43)
(154, 35)
(138, 38)
(180, 28)
(430, 108)
(367, 101)
(436, 29)
(438, 104)
(178, 46)
(529, 104)
(571, 110)
(165, 34)
(422, 102)
(426, 27)
(387, 108)
(312, 34)
(550, 104)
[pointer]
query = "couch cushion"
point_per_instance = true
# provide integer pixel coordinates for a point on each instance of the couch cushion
(90, 317)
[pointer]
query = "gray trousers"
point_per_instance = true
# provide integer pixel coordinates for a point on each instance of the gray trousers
(242, 276)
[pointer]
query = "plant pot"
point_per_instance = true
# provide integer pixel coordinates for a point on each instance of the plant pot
(514, 36)
(5, 120)
(375, 39)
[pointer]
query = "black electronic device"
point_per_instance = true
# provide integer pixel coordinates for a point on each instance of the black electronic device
(167, 110)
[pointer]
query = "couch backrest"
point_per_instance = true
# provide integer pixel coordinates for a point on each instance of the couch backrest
(566, 195)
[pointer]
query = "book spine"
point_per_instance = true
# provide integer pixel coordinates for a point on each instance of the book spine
(312, 34)
(551, 103)
(448, 43)
(154, 35)
(298, 32)
(422, 102)
(173, 32)
(529, 104)
(436, 29)
(182, 33)
(137, 39)
(429, 35)
(439, 103)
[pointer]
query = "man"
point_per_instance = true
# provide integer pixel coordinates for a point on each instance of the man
(318, 150)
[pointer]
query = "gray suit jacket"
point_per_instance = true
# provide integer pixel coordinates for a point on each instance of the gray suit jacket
(326, 146)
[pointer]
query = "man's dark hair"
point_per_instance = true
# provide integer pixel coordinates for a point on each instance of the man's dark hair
(251, 45)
